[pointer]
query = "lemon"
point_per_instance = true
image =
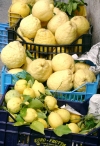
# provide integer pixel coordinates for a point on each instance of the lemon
(43, 122)
(30, 116)
(13, 105)
(74, 127)
(82, 24)
(29, 91)
(20, 85)
(20, 8)
(11, 94)
(64, 114)
(54, 120)
(74, 118)
(51, 102)
(38, 87)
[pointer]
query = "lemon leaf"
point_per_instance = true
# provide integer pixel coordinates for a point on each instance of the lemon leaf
(61, 130)
(23, 112)
(23, 75)
(26, 98)
(47, 92)
(36, 104)
(37, 126)
(20, 123)
(19, 118)
(41, 115)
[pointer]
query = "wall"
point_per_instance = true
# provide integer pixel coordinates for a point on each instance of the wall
(4, 6)
(93, 10)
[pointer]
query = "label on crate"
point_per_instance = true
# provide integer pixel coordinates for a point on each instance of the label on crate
(48, 142)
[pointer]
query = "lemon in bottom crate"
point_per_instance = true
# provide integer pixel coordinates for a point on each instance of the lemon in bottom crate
(11, 94)
(43, 122)
(74, 118)
(29, 91)
(20, 85)
(31, 115)
(13, 105)
(54, 120)
(64, 114)
(74, 127)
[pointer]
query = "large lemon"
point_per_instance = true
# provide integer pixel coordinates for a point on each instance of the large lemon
(20, 85)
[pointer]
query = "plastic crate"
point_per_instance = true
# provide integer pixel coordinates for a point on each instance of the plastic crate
(3, 35)
(24, 136)
(91, 88)
(13, 18)
(48, 51)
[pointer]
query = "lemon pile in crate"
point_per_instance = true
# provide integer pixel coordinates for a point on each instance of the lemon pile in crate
(46, 36)
(48, 30)
(62, 75)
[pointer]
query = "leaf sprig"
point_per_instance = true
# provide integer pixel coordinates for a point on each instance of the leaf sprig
(70, 7)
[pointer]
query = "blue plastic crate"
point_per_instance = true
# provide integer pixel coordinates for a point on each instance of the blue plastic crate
(3, 35)
(24, 136)
(91, 88)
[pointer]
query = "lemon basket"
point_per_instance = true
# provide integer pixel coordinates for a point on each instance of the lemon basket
(3, 35)
(24, 136)
(48, 51)
(74, 95)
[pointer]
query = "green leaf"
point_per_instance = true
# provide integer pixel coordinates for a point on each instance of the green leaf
(31, 82)
(29, 55)
(21, 123)
(26, 98)
(18, 123)
(69, 8)
(89, 124)
(23, 112)
(19, 118)
(36, 104)
(37, 126)
(23, 75)
(61, 130)
(3, 107)
(41, 115)
(47, 92)
(74, 6)
(30, 8)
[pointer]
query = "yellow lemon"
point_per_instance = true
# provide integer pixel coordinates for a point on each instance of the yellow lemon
(54, 120)
(30, 116)
(74, 118)
(29, 91)
(74, 127)
(43, 122)
(64, 114)
(20, 85)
